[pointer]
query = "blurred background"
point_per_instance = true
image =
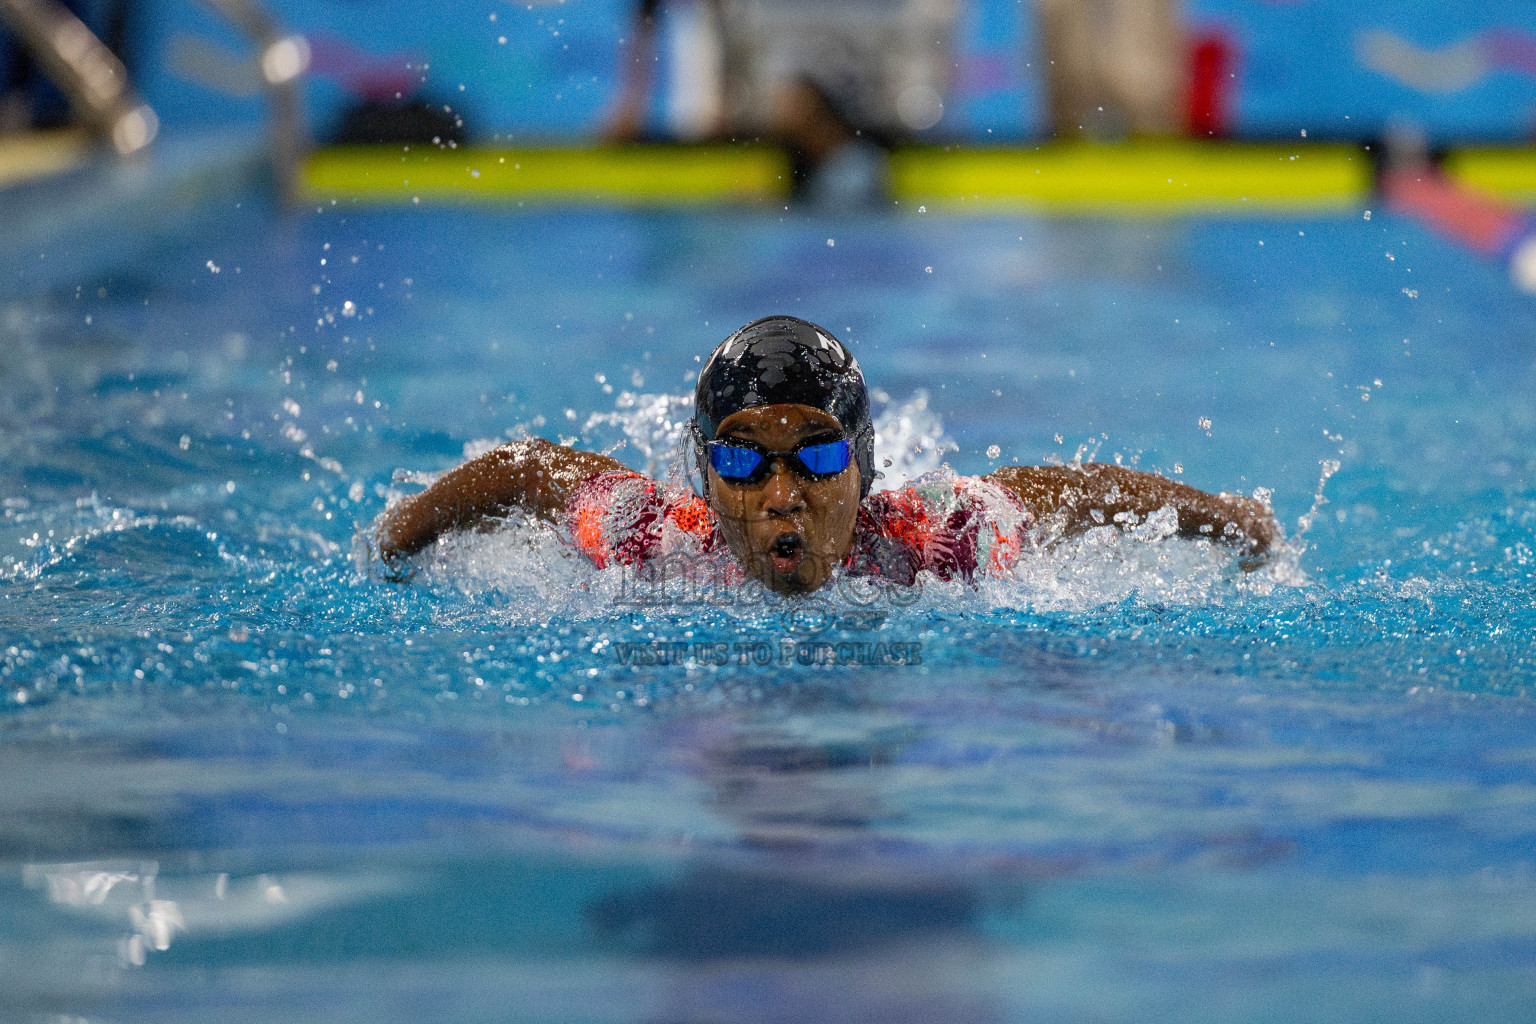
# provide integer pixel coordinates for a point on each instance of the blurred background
(808, 75)
(943, 70)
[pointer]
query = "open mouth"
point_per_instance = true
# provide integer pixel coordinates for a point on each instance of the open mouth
(787, 552)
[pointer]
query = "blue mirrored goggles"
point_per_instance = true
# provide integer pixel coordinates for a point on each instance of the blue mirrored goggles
(743, 462)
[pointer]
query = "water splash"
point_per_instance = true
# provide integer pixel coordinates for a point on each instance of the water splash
(909, 439)
(1328, 467)
(525, 572)
(1289, 553)
(652, 425)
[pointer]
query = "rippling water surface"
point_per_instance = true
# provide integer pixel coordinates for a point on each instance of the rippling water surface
(248, 779)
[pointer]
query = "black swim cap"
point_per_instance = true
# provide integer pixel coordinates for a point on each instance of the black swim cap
(783, 360)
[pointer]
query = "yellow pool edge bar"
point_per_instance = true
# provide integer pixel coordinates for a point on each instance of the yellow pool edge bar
(1138, 177)
(646, 175)
(1509, 173)
(1163, 177)
(24, 157)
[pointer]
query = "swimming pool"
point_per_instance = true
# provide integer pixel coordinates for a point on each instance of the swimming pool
(248, 779)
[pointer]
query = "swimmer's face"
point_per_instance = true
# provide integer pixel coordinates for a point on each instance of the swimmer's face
(787, 531)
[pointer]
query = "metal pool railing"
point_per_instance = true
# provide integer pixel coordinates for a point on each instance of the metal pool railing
(282, 58)
(98, 87)
(89, 74)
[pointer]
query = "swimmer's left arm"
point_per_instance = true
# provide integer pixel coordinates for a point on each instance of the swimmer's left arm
(1076, 493)
(533, 476)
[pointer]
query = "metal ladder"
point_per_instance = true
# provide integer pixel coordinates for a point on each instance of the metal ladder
(97, 83)
(89, 74)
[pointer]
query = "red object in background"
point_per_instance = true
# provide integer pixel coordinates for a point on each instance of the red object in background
(1480, 222)
(1212, 64)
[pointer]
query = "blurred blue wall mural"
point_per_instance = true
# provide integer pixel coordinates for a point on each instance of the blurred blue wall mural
(548, 71)
(1460, 71)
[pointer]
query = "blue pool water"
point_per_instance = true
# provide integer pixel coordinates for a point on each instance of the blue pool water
(247, 779)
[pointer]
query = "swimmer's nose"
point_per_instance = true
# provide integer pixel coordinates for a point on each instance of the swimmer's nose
(781, 492)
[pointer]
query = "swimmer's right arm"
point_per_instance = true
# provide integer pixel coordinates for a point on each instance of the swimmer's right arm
(532, 476)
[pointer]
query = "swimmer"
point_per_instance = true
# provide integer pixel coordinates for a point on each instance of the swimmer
(783, 446)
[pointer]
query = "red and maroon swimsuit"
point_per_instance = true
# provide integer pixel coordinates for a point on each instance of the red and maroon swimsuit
(955, 527)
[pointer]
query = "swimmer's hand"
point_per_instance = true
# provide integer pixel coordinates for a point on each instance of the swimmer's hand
(530, 476)
(1095, 494)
